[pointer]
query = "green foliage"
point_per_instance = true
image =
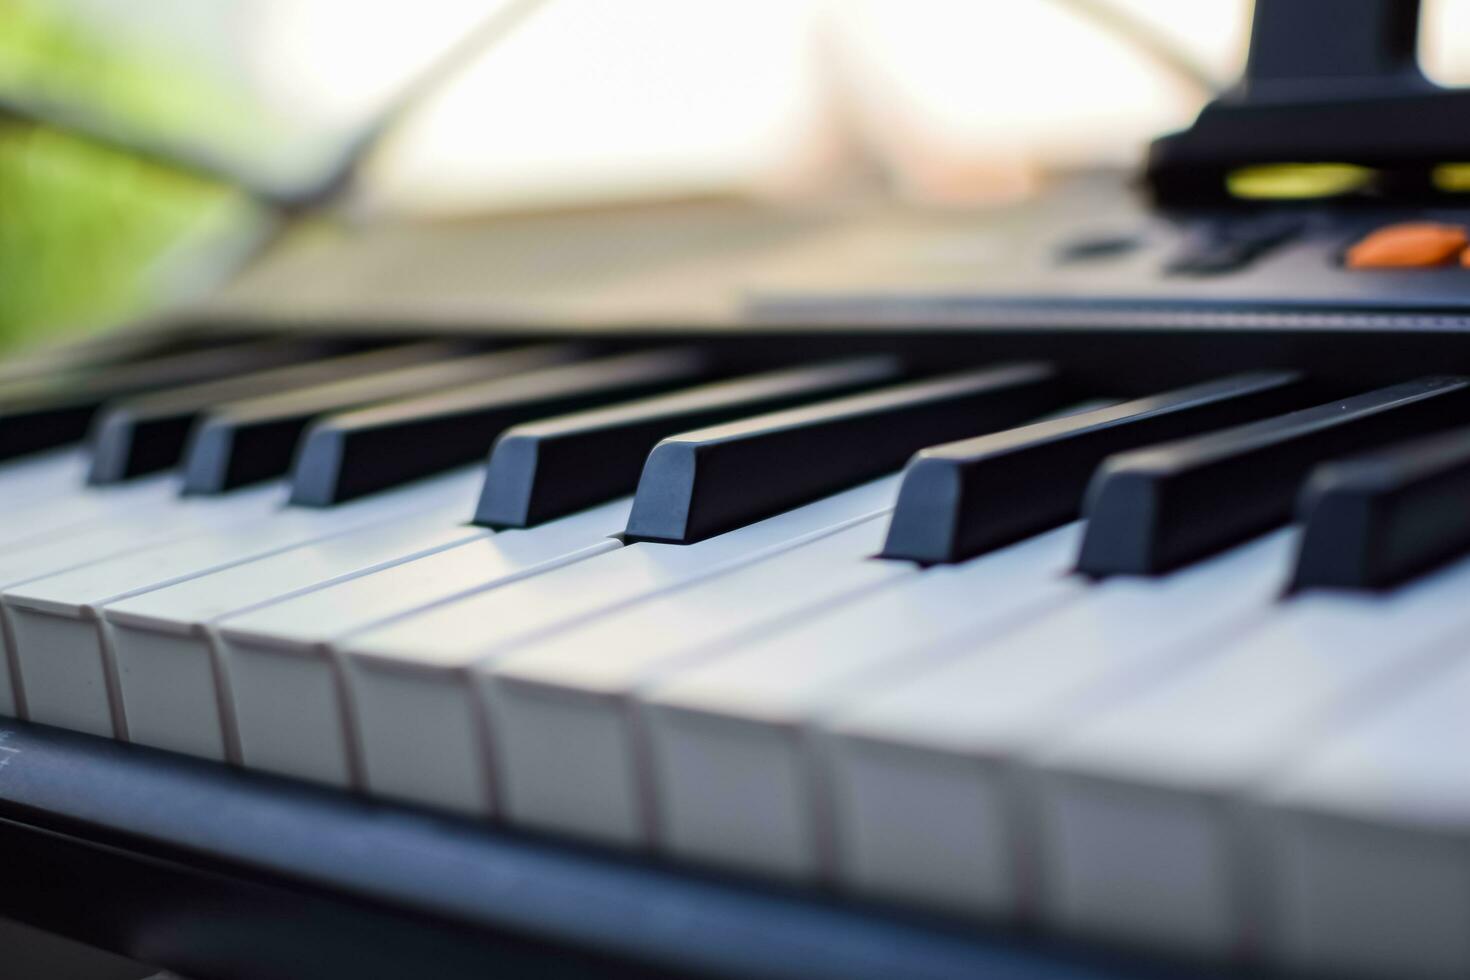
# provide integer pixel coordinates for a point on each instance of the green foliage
(84, 227)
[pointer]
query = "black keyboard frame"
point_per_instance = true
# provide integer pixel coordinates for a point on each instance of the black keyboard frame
(217, 873)
(1120, 349)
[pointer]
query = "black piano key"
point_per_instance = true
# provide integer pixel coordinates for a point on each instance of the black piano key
(357, 453)
(553, 467)
(1376, 520)
(56, 410)
(146, 434)
(711, 480)
(959, 500)
(1152, 510)
(244, 442)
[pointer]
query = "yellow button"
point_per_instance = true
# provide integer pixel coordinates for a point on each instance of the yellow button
(1297, 181)
(1413, 244)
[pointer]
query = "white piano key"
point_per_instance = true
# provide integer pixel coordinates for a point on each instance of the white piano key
(71, 547)
(563, 741)
(488, 623)
(54, 640)
(244, 525)
(1368, 841)
(170, 678)
(43, 475)
(1156, 791)
(247, 527)
(285, 685)
(927, 774)
(20, 563)
(86, 507)
(729, 739)
(415, 711)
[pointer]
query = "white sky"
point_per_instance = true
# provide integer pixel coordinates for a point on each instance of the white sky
(612, 99)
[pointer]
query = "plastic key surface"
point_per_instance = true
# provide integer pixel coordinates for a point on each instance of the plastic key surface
(282, 657)
(552, 467)
(567, 748)
(148, 433)
(1160, 789)
(59, 656)
(157, 522)
(254, 439)
(42, 519)
(1375, 520)
(1154, 509)
(43, 475)
(55, 410)
(172, 679)
(1366, 836)
(348, 455)
(409, 680)
(931, 770)
(759, 807)
(968, 497)
(700, 483)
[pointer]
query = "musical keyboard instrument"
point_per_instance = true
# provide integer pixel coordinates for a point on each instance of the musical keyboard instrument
(1073, 590)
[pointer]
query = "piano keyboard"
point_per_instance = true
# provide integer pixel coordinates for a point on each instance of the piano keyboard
(1181, 671)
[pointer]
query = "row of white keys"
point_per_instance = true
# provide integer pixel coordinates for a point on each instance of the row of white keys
(172, 680)
(147, 519)
(158, 639)
(928, 799)
(567, 754)
(286, 694)
(1147, 811)
(415, 705)
(20, 563)
(63, 659)
(729, 739)
(42, 475)
(80, 508)
(55, 654)
(1368, 838)
(159, 522)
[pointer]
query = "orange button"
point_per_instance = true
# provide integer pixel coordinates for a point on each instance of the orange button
(1409, 245)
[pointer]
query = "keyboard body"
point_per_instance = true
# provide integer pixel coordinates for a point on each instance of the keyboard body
(214, 869)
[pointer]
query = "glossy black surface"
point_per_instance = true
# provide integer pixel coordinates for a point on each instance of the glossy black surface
(255, 439)
(56, 409)
(356, 453)
(1152, 510)
(1326, 80)
(552, 467)
(1376, 520)
(701, 483)
(148, 433)
(959, 500)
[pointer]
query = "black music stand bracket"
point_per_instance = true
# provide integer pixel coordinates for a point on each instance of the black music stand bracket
(1326, 81)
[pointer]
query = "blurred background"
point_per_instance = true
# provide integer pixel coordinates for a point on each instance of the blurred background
(148, 148)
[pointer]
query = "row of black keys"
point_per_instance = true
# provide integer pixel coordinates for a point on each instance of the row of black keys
(1163, 480)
